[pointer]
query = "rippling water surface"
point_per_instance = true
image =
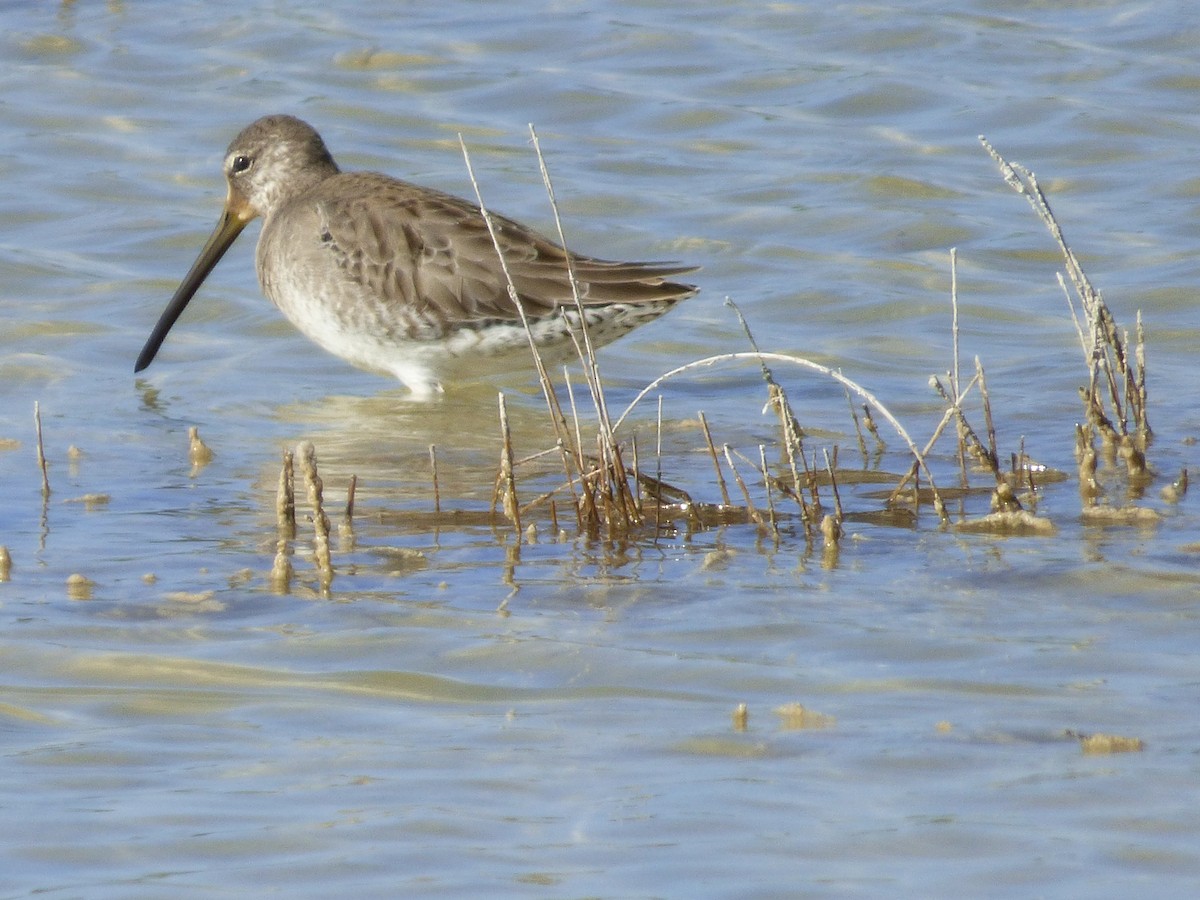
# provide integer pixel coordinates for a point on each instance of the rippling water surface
(466, 715)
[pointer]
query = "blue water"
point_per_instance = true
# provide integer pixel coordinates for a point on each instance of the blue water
(464, 714)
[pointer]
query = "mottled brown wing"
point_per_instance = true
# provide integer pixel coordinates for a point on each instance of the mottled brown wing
(432, 253)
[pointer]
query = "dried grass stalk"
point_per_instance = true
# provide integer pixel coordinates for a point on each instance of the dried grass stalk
(766, 476)
(753, 513)
(506, 481)
(712, 452)
(41, 451)
(1104, 347)
(306, 456)
(285, 497)
(433, 468)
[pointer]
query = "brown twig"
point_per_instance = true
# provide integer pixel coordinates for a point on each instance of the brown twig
(285, 498)
(433, 468)
(750, 510)
(993, 456)
(41, 451)
(712, 452)
(507, 479)
(306, 455)
(766, 476)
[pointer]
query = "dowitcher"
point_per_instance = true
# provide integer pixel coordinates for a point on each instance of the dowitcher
(405, 280)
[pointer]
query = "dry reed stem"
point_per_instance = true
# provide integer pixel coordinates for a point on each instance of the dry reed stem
(954, 367)
(658, 469)
(712, 452)
(910, 475)
(793, 435)
(954, 319)
(968, 440)
(1022, 471)
(5, 564)
(1110, 371)
(1083, 341)
(43, 467)
(814, 509)
(433, 468)
(750, 510)
(1135, 461)
(350, 492)
(306, 454)
(873, 429)
(603, 487)
(346, 526)
(573, 454)
(285, 498)
(1085, 453)
(760, 357)
(831, 531)
(637, 478)
(1007, 512)
(777, 400)
(586, 512)
(605, 493)
(1142, 418)
(548, 393)
(546, 497)
(950, 413)
(1024, 182)
(793, 448)
(858, 429)
(766, 476)
(1104, 349)
(513, 294)
(775, 392)
(615, 475)
(618, 487)
(993, 458)
(801, 362)
(506, 481)
(588, 353)
(831, 468)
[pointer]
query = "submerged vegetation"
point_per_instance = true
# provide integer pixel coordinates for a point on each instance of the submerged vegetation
(611, 487)
(598, 480)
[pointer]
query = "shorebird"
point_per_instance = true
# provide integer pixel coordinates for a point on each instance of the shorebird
(405, 280)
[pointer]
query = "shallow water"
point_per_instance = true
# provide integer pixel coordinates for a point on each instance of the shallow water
(463, 715)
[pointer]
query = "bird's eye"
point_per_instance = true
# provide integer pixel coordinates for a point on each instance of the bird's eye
(240, 164)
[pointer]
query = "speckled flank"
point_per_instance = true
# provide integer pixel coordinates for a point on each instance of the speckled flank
(405, 280)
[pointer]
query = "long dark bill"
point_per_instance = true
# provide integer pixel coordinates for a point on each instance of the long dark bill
(229, 226)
